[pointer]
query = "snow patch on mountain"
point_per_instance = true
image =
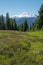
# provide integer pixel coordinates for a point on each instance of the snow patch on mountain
(24, 14)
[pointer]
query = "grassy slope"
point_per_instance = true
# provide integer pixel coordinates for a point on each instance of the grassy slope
(18, 48)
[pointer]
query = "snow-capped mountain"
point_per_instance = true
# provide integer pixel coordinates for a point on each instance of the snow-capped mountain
(24, 14)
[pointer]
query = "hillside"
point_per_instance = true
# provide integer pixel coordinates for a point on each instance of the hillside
(21, 48)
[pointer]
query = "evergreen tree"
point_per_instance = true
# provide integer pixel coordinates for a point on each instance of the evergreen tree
(11, 22)
(41, 17)
(25, 26)
(39, 21)
(21, 27)
(18, 28)
(7, 22)
(2, 23)
(14, 25)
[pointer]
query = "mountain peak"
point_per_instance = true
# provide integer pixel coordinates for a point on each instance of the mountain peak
(25, 14)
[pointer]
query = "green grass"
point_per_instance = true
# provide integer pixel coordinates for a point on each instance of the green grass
(37, 34)
(21, 48)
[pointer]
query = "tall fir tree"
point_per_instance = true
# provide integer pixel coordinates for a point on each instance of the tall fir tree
(7, 22)
(25, 26)
(41, 17)
(14, 25)
(39, 21)
(11, 23)
(21, 27)
(2, 23)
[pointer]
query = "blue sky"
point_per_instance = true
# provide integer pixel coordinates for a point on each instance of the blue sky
(19, 6)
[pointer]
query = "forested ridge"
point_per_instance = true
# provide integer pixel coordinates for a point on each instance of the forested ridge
(10, 23)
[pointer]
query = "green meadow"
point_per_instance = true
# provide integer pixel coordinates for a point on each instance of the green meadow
(21, 48)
